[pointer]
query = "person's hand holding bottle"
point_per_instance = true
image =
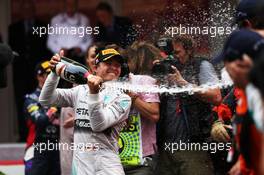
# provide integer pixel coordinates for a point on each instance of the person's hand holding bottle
(56, 59)
(94, 82)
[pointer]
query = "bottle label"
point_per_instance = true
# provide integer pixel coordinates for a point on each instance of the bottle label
(69, 76)
(72, 72)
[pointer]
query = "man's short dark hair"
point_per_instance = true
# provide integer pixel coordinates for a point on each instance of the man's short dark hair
(257, 22)
(105, 7)
(186, 41)
(252, 11)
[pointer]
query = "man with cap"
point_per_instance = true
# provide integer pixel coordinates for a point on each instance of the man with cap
(250, 14)
(43, 126)
(240, 42)
(240, 50)
(99, 115)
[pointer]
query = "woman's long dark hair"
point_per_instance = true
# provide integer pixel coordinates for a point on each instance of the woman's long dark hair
(140, 54)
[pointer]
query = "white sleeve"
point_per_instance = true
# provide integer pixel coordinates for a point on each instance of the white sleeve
(103, 117)
(60, 97)
(207, 73)
(52, 41)
(86, 39)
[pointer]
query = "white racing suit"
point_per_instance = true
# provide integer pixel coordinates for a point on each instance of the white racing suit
(98, 120)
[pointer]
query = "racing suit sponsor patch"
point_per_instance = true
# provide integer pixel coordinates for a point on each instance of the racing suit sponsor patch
(82, 111)
(121, 106)
(82, 125)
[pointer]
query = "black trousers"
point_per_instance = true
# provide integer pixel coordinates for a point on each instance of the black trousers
(184, 163)
(44, 163)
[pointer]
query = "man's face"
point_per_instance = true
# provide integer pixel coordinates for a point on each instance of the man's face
(70, 7)
(239, 71)
(180, 52)
(109, 70)
(104, 17)
(90, 60)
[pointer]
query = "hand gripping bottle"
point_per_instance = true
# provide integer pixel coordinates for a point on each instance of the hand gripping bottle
(72, 71)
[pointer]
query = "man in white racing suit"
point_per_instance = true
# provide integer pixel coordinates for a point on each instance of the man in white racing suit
(99, 116)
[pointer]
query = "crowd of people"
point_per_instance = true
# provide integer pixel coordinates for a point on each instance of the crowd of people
(218, 130)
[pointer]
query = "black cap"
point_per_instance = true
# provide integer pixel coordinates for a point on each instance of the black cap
(106, 54)
(238, 43)
(247, 9)
(42, 68)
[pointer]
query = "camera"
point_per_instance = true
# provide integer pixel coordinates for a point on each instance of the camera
(165, 45)
(163, 67)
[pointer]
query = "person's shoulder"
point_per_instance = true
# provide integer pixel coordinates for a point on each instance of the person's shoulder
(57, 17)
(83, 16)
(142, 79)
(148, 78)
(202, 61)
(206, 62)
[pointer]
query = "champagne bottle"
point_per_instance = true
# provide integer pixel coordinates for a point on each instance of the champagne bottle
(72, 71)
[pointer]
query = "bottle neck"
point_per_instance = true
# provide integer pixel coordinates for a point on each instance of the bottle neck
(87, 74)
